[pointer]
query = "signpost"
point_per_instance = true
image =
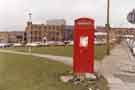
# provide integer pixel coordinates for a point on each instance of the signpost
(108, 28)
(83, 46)
(131, 17)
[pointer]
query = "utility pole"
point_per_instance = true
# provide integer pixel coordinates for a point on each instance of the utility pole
(30, 38)
(108, 28)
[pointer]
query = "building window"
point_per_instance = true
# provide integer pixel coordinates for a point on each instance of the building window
(57, 27)
(57, 33)
(49, 27)
(44, 27)
(39, 27)
(53, 27)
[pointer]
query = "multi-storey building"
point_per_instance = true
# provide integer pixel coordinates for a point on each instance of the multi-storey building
(16, 36)
(3, 37)
(52, 31)
(57, 30)
(118, 33)
(68, 32)
(11, 37)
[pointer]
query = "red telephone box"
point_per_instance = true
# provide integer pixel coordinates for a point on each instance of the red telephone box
(83, 52)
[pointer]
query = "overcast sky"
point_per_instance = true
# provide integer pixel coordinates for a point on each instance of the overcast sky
(14, 13)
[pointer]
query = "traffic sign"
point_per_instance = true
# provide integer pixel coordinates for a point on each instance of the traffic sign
(131, 17)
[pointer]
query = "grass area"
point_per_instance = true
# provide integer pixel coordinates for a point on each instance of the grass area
(100, 50)
(26, 73)
(18, 72)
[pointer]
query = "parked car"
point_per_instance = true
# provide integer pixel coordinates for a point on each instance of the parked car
(43, 44)
(59, 43)
(17, 44)
(97, 42)
(66, 42)
(4, 45)
(71, 43)
(51, 43)
(33, 44)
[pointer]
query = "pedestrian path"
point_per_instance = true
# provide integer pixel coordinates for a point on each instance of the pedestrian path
(118, 68)
(66, 60)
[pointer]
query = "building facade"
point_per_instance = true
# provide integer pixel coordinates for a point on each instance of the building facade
(3, 37)
(57, 30)
(16, 36)
(68, 32)
(12, 37)
(51, 31)
(118, 33)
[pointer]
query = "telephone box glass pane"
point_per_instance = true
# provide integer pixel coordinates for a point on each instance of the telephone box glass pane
(83, 41)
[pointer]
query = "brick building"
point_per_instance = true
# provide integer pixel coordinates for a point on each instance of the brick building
(118, 33)
(3, 37)
(53, 31)
(16, 36)
(57, 30)
(12, 37)
(68, 32)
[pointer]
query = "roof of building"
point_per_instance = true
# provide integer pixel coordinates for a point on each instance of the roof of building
(56, 22)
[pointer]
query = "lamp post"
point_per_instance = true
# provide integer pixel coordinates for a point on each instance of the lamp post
(108, 28)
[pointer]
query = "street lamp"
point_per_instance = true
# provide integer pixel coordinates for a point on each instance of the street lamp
(108, 28)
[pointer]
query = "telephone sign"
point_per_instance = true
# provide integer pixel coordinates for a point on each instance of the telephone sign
(83, 53)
